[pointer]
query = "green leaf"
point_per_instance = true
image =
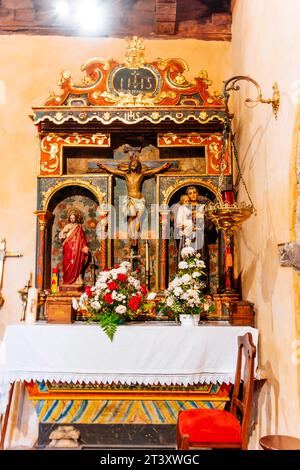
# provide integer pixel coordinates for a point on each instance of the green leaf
(109, 323)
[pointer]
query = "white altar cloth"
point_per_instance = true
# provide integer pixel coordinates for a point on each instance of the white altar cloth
(148, 353)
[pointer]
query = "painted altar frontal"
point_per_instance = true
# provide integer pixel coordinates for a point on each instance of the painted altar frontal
(118, 404)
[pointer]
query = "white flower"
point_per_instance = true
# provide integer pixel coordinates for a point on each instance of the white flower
(122, 270)
(74, 304)
(186, 278)
(183, 265)
(175, 283)
(114, 294)
(196, 274)
(121, 309)
(120, 297)
(96, 305)
(200, 263)
(103, 276)
(178, 291)
(126, 265)
(114, 274)
(187, 251)
(82, 305)
(151, 296)
(170, 301)
(102, 285)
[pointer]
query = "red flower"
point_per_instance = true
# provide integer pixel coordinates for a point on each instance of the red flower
(112, 285)
(137, 270)
(122, 277)
(108, 299)
(88, 291)
(144, 289)
(135, 302)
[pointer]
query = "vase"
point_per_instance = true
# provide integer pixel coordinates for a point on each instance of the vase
(189, 320)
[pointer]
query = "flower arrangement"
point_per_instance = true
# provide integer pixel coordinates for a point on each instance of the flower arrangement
(117, 295)
(185, 292)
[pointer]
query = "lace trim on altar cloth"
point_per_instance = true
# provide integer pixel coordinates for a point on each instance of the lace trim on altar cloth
(126, 379)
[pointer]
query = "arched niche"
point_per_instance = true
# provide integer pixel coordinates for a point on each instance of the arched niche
(57, 204)
(212, 242)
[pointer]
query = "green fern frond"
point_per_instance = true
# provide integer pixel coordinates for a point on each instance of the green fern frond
(109, 323)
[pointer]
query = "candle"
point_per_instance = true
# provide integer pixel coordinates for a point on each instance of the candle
(31, 308)
(54, 281)
(147, 256)
(228, 196)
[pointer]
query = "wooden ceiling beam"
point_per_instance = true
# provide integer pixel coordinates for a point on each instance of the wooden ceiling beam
(165, 17)
(147, 18)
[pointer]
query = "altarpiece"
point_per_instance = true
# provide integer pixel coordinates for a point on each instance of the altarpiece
(151, 109)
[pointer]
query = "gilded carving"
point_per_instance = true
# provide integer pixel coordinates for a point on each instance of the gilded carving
(214, 150)
(179, 140)
(134, 54)
(203, 75)
(59, 116)
(155, 115)
(203, 115)
(50, 165)
(106, 116)
(168, 193)
(113, 115)
(135, 82)
(212, 142)
(51, 146)
(142, 99)
(47, 195)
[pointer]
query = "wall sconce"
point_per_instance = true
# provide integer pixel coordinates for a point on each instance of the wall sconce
(231, 85)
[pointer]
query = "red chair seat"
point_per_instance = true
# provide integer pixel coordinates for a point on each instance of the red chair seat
(210, 426)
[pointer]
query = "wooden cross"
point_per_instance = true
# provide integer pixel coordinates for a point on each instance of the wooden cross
(3, 255)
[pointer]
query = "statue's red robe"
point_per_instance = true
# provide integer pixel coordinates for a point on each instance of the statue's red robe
(73, 256)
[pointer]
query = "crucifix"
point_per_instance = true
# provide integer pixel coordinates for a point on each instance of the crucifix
(3, 255)
(134, 205)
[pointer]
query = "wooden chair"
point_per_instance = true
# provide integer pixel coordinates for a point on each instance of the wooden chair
(213, 428)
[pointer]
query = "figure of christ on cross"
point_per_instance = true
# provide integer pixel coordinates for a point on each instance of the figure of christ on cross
(134, 203)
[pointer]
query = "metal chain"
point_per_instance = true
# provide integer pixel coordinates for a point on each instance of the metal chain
(224, 144)
(227, 132)
(235, 152)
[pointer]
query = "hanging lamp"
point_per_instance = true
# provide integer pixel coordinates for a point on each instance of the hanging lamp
(227, 214)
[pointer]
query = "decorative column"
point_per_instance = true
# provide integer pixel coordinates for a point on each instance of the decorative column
(164, 217)
(44, 217)
(103, 236)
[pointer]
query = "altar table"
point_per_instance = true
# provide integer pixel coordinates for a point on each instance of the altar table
(148, 354)
(75, 375)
